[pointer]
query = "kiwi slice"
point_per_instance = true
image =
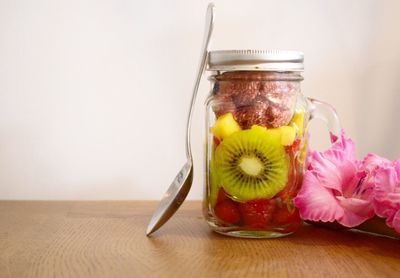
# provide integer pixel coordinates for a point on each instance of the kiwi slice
(252, 164)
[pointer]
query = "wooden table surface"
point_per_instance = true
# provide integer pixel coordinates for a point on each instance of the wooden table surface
(107, 239)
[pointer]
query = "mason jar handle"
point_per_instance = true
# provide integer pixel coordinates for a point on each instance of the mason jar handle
(325, 112)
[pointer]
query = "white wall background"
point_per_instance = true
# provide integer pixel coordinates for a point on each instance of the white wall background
(94, 94)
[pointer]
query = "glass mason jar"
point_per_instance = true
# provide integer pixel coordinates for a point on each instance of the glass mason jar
(257, 141)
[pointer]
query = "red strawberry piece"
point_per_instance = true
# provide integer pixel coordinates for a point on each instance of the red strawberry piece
(288, 219)
(293, 148)
(216, 141)
(284, 216)
(222, 196)
(227, 211)
(292, 227)
(257, 213)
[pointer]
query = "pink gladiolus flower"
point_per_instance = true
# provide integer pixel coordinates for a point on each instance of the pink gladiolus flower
(372, 161)
(371, 164)
(387, 194)
(333, 187)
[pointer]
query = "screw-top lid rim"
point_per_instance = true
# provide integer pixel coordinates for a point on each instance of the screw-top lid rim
(264, 60)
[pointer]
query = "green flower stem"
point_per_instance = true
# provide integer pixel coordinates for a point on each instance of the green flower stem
(378, 226)
(375, 225)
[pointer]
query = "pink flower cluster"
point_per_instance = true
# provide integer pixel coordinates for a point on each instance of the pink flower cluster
(338, 187)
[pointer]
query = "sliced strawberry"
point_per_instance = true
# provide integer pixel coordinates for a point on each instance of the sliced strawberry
(287, 218)
(222, 196)
(257, 213)
(227, 211)
(294, 147)
(216, 141)
(284, 216)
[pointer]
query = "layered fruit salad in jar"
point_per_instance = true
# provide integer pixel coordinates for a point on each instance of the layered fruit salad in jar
(257, 143)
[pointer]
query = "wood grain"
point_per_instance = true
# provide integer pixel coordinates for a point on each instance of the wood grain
(107, 239)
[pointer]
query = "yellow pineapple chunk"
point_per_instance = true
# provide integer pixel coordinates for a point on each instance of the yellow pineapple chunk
(298, 121)
(284, 134)
(288, 135)
(225, 126)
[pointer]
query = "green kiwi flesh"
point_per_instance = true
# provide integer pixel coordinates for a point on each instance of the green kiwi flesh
(251, 164)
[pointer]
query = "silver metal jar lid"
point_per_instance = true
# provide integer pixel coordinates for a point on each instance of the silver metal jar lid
(264, 60)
